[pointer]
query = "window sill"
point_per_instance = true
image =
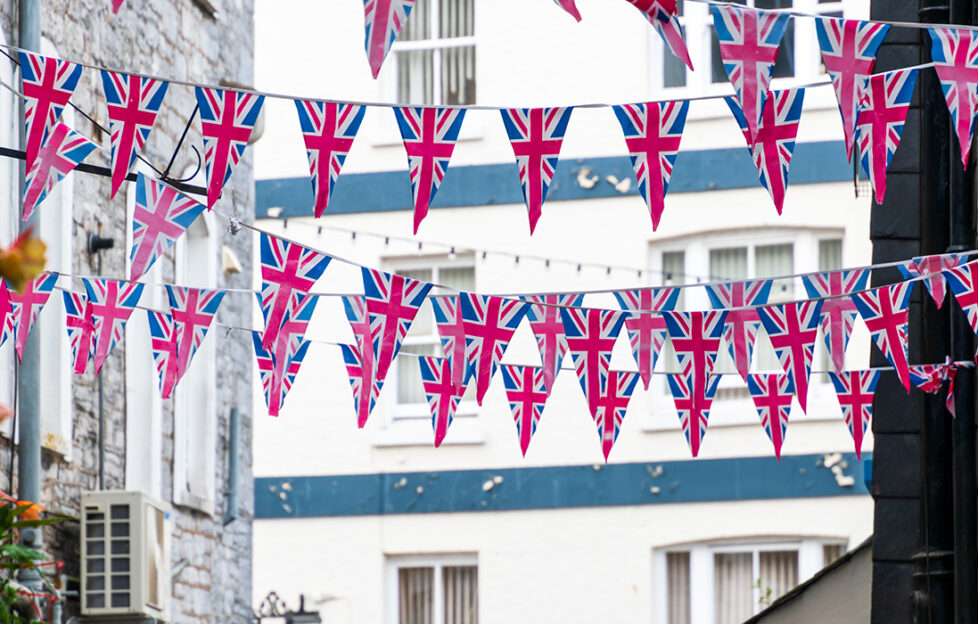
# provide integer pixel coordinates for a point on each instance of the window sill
(465, 430)
(196, 503)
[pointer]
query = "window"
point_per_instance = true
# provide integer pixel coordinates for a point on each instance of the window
(433, 590)
(434, 56)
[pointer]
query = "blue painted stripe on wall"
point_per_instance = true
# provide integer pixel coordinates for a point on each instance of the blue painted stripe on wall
(482, 185)
(563, 487)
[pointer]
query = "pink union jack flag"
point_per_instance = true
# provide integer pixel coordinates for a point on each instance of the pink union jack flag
(693, 394)
(429, 136)
(489, 323)
(392, 303)
(933, 268)
(740, 329)
(955, 55)
(571, 7)
(278, 373)
(886, 314)
(749, 41)
(384, 20)
(112, 303)
(646, 328)
(161, 215)
(848, 52)
(359, 359)
(772, 394)
(838, 310)
(855, 390)
(616, 391)
(591, 335)
(536, 135)
(288, 272)
(793, 328)
(964, 285)
(451, 331)
(328, 129)
(116, 5)
(62, 150)
(164, 342)
(48, 85)
(443, 399)
(652, 133)
(527, 392)
(884, 100)
(193, 310)
(134, 102)
(548, 329)
(227, 119)
(930, 378)
(81, 328)
(664, 16)
(25, 308)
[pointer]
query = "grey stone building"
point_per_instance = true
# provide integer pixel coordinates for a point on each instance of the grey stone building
(178, 449)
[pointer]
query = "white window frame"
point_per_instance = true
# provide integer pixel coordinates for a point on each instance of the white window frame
(436, 561)
(9, 184)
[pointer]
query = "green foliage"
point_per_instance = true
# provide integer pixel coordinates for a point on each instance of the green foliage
(15, 516)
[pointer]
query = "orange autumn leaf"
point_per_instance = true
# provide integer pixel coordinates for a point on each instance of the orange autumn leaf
(23, 260)
(33, 511)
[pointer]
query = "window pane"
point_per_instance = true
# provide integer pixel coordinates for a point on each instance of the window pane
(418, 26)
(462, 278)
(673, 70)
(779, 573)
(733, 588)
(424, 321)
(674, 272)
(415, 77)
(461, 586)
(458, 76)
(717, 72)
(772, 260)
(831, 552)
(677, 578)
(829, 254)
(415, 588)
(409, 388)
(456, 18)
(784, 64)
(728, 264)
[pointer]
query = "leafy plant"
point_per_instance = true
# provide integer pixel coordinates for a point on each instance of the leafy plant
(17, 604)
(765, 599)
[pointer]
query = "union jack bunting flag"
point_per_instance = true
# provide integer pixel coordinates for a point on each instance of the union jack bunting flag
(536, 135)
(227, 119)
(193, 310)
(855, 390)
(793, 328)
(954, 52)
(25, 308)
(288, 272)
(772, 394)
(838, 310)
(591, 335)
(116, 4)
(527, 393)
(164, 342)
(848, 52)
(384, 20)
(328, 129)
(451, 331)
(489, 323)
(160, 216)
(278, 372)
(571, 7)
(884, 100)
(965, 288)
(392, 304)
(664, 16)
(695, 337)
(930, 378)
(366, 390)
(134, 102)
(933, 268)
(429, 136)
(693, 393)
(48, 85)
(749, 41)
(442, 397)
(78, 319)
(112, 303)
(886, 314)
(548, 329)
(62, 150)
(616, 391)
(646, 328)
(652, 133)
(740, 329)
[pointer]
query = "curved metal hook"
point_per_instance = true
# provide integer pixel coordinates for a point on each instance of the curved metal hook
(196, 171)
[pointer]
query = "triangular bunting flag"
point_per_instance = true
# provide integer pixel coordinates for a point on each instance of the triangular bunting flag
(954, 52)
(571, 7)
(60, 152)
(359, 359)
(193, 310)
(930, 378)
(383, 21)
(134, 102)
(886, 314)
(279, 365)
(429, 136)
(392, 304)
(25, 308)
(442, 397)
(536, 135)
(227, 119)
(548, 329)
(693, 395)
(933, 267)
(616, 391)
(451, 331)
(48, 85)
(964, 285)
(664, 16)
(740, 328)
(652, 133)
(328, 129)
(838, 310)
(81, 328)
(848, 52)
(165, 346)
(288, 272)
(855, 390)
(749, 41)
(112, 304)
(489, 325)
(116, 5)
(772, 394)
(793, 328)
(884, 100)
(646, 329)
(527, 392)
(591, 336)
(160, 216)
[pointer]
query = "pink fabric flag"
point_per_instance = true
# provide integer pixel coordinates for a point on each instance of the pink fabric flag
(886, 314)
(134, 102)
(664, 16)
(527, 392)
(62, 150)
(112, 304)
(359, 359)
(793, 328)
(442, 397)
(489, 323)
(838, 310)
(116, 5)
(193, 311)
(279, 366)
(383, 21)
(855, 390)
(740, 329)
(930, 378)
(571, 7)
(25, 308)
(81, 327)
(392, 303)
(328, 129)
(955, 55)
(288, 273)
(163, 340)
(933, 268)
(772, 395)
(591, 336)
(548, 329)
(646, 328)
(451, 331)
(616, 391)
(48, 85)
(227, 119)
(693, 395)
(160, 216)
(964, 285)
(884, 100)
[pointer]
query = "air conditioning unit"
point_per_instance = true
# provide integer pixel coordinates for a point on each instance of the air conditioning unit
(125, 555)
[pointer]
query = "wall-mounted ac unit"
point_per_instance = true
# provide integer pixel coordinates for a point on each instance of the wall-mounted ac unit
(125, 555)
